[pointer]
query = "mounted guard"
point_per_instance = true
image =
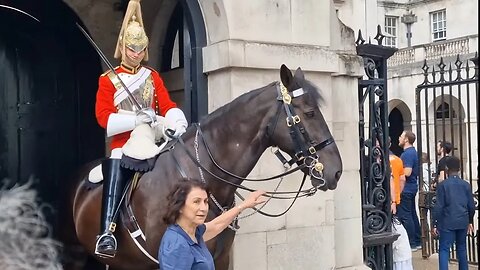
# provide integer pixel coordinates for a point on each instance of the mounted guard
(130, 104)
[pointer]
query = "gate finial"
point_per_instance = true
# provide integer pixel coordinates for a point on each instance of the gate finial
(379, 37)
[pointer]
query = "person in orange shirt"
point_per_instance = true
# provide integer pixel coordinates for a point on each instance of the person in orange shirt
(397, 179)
(117, 111)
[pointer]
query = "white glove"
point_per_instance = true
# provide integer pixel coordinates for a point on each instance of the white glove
(159, 128)
(176, 121)
(145, 116)
(179, 130)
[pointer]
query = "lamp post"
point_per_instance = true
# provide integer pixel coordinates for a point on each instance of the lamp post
(409, 19)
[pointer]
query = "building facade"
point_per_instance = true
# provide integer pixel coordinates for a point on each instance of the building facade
(211, 51)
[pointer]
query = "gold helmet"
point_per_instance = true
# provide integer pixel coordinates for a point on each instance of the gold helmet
(132, 34)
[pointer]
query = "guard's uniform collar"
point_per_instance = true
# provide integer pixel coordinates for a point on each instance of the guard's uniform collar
(130, 69)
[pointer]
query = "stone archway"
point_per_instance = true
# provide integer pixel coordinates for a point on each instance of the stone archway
(399, 119)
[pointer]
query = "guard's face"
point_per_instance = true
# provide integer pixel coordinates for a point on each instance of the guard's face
(133, 58)
(195, 209)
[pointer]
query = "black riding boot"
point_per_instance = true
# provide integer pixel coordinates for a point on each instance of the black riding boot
(114, 181)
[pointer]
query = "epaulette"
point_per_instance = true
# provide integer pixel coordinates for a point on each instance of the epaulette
(105, 73)
(108, 71)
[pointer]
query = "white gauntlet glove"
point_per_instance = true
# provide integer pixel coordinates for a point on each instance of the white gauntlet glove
(176, 121)
(145, 116)
(124, 121)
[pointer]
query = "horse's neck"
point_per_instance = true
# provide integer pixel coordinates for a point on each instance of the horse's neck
(238, 137)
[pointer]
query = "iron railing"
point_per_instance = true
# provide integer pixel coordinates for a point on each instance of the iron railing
(447, 109)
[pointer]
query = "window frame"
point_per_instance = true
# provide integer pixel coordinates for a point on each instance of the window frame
(392, 39)
(438, 27)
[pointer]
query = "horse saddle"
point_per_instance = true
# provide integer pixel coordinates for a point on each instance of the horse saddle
(95, 175)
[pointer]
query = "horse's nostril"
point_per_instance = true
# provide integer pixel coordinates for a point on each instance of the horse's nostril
(338, 174)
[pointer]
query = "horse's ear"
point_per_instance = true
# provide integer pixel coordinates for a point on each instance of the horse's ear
(286, 75)
(299, 74)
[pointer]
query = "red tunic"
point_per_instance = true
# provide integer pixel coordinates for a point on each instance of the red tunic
(104, 105)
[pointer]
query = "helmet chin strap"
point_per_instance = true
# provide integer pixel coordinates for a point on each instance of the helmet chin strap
(132, 63)
(129, 62)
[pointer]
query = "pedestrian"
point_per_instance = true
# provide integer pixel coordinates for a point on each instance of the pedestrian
(453, 214)
(406, 210)
(183, 244)
(426, 172)
(402, 254)
(443, 150)
(397, 180)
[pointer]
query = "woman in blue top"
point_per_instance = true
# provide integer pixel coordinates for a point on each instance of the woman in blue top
(183, 244)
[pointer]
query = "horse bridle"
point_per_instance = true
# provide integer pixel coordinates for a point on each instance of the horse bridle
(305, 156)
(305, 150)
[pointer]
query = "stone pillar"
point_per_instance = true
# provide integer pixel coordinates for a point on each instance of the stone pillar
(248, 41)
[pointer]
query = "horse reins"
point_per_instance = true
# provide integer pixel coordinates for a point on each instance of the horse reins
(270, 194)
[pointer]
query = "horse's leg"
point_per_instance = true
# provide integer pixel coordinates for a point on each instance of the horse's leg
(223, 245)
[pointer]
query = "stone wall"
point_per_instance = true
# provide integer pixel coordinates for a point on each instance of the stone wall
(246, 55)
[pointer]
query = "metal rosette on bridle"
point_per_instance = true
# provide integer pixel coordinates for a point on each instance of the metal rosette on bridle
(315, 168)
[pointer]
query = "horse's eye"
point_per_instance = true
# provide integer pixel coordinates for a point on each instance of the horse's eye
(310, 114)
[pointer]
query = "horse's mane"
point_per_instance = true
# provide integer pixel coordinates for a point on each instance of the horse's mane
(244, 98)
(314, 91)
(248, 96)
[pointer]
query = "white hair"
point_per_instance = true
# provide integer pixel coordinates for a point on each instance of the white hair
(25, 235)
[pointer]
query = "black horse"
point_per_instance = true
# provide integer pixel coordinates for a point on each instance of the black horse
(284, 114)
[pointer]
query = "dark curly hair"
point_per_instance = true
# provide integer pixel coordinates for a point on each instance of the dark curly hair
(177, 197)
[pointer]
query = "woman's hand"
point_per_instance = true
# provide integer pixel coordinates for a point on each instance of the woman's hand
(255, 198)
(218, 224)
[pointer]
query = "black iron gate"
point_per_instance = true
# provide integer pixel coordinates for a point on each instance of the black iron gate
(374, 161)
(447, 110)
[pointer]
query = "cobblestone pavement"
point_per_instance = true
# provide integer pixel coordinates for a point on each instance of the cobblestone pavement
(432, 262)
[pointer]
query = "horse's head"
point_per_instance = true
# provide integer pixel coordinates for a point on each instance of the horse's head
(299, 129)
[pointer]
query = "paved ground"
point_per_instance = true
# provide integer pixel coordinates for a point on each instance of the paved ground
(432, 262)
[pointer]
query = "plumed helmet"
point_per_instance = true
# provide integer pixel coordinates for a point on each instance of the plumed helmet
(132, 34)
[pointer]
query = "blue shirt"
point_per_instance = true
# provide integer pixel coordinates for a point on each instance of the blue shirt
(454, 208)
(410, 160)
(179, 252)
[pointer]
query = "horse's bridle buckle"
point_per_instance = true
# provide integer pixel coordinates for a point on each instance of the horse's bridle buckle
(294, 120)
(312, 150)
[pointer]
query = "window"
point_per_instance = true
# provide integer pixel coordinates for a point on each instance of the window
(391, 31)
(439, 25)
(443, 111)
